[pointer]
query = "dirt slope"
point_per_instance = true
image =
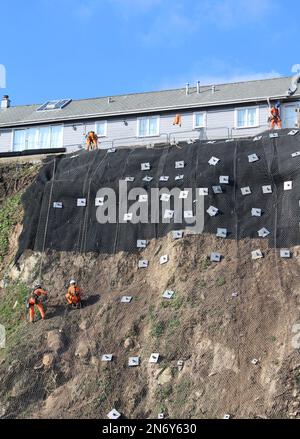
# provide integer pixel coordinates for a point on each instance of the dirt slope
(52, 369)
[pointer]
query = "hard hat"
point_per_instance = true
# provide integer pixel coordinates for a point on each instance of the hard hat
(37, 286)
(278, 104)
(72, 282)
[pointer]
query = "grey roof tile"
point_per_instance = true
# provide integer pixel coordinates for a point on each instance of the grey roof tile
(150, 102)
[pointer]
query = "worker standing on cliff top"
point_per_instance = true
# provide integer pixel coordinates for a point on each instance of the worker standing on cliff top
(38, 297)
(275, 118)
(73, 295)
(91, 141)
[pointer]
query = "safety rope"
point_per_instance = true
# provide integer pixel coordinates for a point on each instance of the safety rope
(283, 290)
(118, 222)
(237, 256)
(83, 248)
(64, 316)
(47, 220)
(82, 237)
(85, 224)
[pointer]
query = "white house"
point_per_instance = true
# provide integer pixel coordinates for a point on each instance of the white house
(207, 112)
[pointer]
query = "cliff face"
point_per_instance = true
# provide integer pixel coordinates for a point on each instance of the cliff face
(228, 339)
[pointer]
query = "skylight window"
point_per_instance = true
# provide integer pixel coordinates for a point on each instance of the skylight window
(54, 105)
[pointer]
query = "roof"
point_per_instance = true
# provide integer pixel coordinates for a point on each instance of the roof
(138, 103)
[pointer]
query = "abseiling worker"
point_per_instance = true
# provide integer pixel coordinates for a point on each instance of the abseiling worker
(177, 120)
(73, 295)
(91, 141)
(275, 118)
(38, 297)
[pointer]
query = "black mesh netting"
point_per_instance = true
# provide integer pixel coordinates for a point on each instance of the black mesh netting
(73, 228)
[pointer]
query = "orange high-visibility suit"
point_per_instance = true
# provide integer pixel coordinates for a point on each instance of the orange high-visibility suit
(177, 120)
(36, 299)
(275, 118)
(73, 295)
(91, 141)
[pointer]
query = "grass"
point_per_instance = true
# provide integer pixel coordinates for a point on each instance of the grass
(152, 314)
(177, 303)
(157, 326)
(10, 214)
(205, 264)
(174, 322)
(12, 318)
(163, 392)
(158, 329)
(221, 281)
(182, 391)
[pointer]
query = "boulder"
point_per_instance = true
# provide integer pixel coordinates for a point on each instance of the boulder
(54, 341)
(48, 360)
(128, 343)
(82, 350)
(165, 377)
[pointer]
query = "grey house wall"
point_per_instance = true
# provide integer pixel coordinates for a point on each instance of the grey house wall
(5, 140)
(220, 123)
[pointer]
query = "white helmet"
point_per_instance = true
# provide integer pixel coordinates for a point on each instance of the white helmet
(72, 282)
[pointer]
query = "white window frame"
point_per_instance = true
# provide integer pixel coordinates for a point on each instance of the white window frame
(105, 129)
(283, 114)
(37, 127)
(197, 127)
(139, 119)
(257, 125)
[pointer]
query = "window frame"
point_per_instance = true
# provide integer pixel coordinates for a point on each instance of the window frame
(139, 119)
(257, 125)
(198, 127)
(43, 107)
(105, 128)
(26, 128)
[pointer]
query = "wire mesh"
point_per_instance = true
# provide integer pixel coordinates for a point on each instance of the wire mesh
(104, 259)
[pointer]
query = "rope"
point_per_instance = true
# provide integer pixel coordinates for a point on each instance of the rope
(84, 233)
(236, 237)
(63, 319)
(47, 219)
(118, 222)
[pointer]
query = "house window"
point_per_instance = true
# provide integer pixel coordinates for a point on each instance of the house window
(101, 128)
(148, 126)
(247, 117)
(39, 137)
(199, 120)
(56, 136)
(19, 140)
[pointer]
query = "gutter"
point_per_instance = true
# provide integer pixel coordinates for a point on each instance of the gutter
(146, 110)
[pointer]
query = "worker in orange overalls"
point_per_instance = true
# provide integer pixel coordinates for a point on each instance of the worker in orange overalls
(91, 141)
(177, 120)
(37, 297)
(275, 119)
(73, 295)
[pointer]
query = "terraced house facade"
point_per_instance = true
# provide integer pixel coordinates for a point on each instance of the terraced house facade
(205, 112)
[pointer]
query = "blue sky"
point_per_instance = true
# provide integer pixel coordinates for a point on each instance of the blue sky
(86, 48)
